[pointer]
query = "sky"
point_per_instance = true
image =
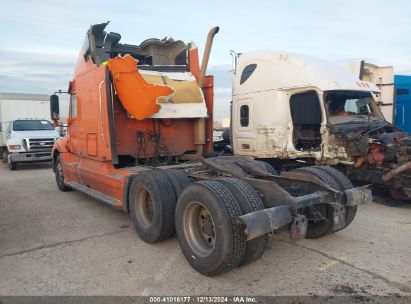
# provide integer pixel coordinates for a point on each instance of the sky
(40, 40)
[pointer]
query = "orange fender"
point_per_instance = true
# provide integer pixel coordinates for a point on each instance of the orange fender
(60, 145)
(137, 96)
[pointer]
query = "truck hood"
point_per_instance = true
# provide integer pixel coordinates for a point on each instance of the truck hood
(36, 134)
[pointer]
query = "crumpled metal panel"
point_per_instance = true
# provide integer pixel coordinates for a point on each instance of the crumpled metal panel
(137, 96)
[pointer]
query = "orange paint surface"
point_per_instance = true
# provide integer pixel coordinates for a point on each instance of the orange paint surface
(138, 97)
(101, 129)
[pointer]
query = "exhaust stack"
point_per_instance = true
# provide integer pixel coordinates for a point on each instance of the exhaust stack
(206, 55)
(200, 125)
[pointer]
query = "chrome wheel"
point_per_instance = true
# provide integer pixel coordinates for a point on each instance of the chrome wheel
(199, 229)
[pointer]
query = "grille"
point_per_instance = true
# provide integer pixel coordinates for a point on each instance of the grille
(39, 144)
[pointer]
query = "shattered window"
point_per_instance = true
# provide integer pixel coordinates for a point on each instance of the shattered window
(350, 103)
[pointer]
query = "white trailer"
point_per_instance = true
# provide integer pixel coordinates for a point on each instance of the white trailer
(383, 78)
(21, 106)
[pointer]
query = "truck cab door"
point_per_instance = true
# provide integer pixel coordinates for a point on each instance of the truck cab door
(92, 131)
(72, 127)
(244, 141)
(91, 119)
(306, 115)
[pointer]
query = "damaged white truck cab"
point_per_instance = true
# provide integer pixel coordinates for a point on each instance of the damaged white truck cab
(292, 107)
(281, 104)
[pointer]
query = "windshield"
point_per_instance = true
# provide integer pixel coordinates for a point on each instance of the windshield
(351, 106)
(29, 125)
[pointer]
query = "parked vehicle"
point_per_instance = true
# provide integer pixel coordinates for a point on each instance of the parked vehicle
(29, 140)
(293, 110)
(391, 92)
(403, 102)
(140, 124)
(20, 106)
(381, 81)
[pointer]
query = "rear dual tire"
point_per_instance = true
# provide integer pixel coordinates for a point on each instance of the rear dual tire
(178, 179)
(344, 184)
(270, 169)
(152, 204)
(152, 200)
(207, 231)
(337, 180)
(205, 218)
(249, 201)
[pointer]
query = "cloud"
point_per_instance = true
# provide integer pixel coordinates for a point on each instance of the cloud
(222, 100)
(222, 90)
(222, 75)
(37, 71)
(40, 41)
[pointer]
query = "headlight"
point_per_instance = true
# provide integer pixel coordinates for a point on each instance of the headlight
(14, 147)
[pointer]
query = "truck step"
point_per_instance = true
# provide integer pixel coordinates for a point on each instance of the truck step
(93, 193)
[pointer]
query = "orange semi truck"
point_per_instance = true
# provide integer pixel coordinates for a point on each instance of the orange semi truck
(139, 133)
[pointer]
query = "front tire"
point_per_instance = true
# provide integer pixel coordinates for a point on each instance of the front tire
(206, 227)
(59, 174)
(12, 165)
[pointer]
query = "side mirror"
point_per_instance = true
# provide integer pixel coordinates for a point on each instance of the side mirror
(54, 107)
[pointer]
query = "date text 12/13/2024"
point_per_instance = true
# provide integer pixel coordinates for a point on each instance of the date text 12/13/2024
(202, 299)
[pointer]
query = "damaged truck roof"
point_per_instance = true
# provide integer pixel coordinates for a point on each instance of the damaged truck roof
(101, 46)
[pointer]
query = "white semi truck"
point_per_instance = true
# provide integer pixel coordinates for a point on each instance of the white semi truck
(294, 111)
(26, 134)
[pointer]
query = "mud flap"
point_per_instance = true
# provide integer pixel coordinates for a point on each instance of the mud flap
(360, 195)
(338, 216)
(298, 228)
(264, 221)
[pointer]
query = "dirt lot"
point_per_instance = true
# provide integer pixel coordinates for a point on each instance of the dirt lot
(54, 243)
